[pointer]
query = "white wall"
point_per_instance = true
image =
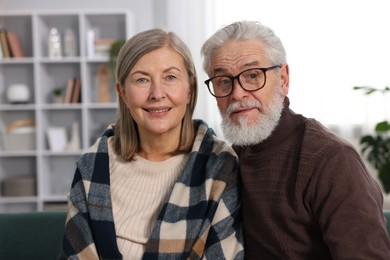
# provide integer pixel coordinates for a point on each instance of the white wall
(332, 45)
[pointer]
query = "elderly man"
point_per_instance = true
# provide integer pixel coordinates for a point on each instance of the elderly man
(306, 193)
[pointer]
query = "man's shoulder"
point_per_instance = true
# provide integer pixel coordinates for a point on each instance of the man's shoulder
(318, 138)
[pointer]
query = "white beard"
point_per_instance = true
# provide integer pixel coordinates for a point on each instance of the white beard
(244, 134)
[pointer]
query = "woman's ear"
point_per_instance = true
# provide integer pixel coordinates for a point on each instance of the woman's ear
(189, 95)
(121, 91)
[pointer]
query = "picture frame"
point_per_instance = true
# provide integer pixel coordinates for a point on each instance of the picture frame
(57, 138)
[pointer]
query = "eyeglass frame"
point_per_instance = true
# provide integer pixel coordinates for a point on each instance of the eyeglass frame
(237, 77)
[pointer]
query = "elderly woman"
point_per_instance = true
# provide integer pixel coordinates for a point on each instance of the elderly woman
(156, 184)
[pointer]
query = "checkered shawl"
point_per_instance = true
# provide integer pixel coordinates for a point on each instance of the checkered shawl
(200, 220)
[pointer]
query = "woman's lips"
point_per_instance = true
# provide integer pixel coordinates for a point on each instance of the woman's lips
(159, 110)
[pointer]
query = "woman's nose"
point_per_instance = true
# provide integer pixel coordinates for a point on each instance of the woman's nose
(157, 90)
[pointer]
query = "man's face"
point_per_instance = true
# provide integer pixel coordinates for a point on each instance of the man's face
(242, 111)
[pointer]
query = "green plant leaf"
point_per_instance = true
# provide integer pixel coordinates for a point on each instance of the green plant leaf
(384, 176)
(369, 90)
(375, 148)
(114, 50)
(57, 91)
(383, 126)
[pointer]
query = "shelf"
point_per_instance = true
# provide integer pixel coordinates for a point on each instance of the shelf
(43, 75)
(4, 61)
(18, 200)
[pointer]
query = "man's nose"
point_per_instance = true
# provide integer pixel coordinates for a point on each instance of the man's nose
(238, 92)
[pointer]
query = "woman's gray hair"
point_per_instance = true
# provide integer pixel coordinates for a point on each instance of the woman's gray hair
(126, 137)
(244, 30)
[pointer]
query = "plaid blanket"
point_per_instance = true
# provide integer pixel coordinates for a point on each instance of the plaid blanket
(200, 220)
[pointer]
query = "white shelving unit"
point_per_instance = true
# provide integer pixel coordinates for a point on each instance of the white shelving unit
(52, 170)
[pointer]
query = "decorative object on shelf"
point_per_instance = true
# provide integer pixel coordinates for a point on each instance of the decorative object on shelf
(70, 46)
(102, 47)
(19, 136)
(19, 186)
(90, 43)
(376, 146)
(104, 78)
(54, 44)
(74, 143)
(18, 94)
(58, 95)
(57, 138)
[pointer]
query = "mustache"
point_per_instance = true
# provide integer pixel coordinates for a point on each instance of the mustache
(233, 107)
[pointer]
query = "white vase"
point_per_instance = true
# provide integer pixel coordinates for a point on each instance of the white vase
(70, 43)
(54, 44)
(58, 99)
(74, 143)
(18, 93)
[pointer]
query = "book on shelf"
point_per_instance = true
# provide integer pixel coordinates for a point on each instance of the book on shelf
(68, 93)
(73, 91)
(14, 45)
(76, 90)
(1, 51)
(4, 44)
(11, 46)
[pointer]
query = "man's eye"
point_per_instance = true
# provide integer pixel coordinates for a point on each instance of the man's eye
(253, 75)
(224, 81)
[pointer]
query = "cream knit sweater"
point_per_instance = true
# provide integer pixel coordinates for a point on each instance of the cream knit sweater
(138, 191)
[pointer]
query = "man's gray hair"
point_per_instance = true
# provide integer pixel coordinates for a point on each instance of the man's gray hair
(244, 30)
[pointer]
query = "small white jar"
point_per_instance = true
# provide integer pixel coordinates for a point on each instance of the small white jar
(18, 93)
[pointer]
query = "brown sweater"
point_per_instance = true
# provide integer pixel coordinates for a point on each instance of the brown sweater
(307, 195)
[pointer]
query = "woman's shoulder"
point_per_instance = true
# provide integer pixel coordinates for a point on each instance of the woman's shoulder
(209, 141)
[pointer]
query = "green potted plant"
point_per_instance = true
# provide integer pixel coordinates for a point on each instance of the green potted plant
(375, 147)
(106, 74)
(113, 54)
(58, 95)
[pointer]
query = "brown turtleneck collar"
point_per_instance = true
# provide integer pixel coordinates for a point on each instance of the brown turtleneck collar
(289, 122)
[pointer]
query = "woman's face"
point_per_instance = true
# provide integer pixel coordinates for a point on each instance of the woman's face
(157, 91)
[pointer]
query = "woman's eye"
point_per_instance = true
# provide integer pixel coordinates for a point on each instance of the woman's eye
(171, 77)
(141, 80)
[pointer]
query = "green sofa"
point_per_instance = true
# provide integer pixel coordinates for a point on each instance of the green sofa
(387, 215)
(38, 235)
(32, 235)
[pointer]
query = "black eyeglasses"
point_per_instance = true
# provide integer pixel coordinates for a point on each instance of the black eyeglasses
(250, 80)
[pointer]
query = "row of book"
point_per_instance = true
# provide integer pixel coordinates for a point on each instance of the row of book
(10, 45)
(73, 91)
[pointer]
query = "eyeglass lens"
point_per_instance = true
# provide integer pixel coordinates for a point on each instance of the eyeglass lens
(250, 80)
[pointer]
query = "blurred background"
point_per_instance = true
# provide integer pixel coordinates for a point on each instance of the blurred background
(331, 47)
